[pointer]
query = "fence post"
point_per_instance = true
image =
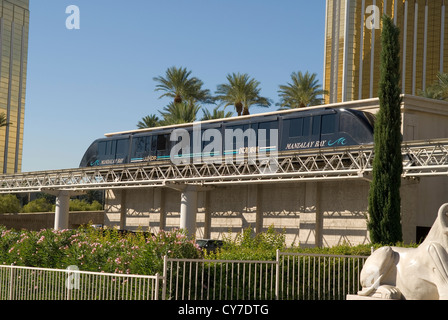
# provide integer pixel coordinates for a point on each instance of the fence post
(156, 296)
(277, 274)
(11, 282)
(165, 275)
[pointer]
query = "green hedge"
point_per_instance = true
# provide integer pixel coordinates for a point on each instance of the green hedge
(95, 250)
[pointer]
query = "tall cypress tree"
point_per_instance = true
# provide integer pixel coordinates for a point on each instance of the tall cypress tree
(384, 198)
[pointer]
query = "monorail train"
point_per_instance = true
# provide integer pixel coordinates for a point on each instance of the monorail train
(297, 130)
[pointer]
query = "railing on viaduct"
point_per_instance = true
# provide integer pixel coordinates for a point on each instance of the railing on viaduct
(420, 158)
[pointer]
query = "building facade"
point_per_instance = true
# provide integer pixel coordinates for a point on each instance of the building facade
(14, 28)
(353, 45)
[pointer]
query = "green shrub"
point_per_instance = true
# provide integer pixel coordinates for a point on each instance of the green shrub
(83, 205)
(38, 205)
(250, 246)
(9, 204)
(95, 250)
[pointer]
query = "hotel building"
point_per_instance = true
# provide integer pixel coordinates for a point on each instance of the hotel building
(14, 25)
(353, 45)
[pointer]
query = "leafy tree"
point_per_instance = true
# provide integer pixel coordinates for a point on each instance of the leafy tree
(38, 205)
(303, 91)
(384, 198)
(9, 204)
(180, 86)
(177, 113)
(439, 89)
(217, 114)
(83, 205)
(242, 92)
(4, 120)
(150, 121)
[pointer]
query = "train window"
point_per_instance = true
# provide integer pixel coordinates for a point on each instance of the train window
(140, 145)
(162, 142)
(267, 126)
(353, 125)
(107, 147)
(316, 125)
(102, 147)
(236, 135)
(347, 122)
(306, 126)
(295, 127)
(153, 143)
(328, 123)
(122, 146)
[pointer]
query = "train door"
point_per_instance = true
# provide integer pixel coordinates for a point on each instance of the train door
(268, 136)
(311, 132)
(329, 129)
(315, 131)
(163, 147)
(122, 151)
(236, 138)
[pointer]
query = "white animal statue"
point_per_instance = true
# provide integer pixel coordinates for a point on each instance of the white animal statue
(410, 273)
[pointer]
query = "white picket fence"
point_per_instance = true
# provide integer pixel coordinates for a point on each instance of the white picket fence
(291, 276)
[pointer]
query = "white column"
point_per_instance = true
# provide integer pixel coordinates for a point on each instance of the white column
(207, 216)
(259, 212)
(188, 210)
(123, 210)
(62, 210)
(311, 219)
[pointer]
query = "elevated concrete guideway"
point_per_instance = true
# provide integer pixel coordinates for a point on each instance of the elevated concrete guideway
(420, 159)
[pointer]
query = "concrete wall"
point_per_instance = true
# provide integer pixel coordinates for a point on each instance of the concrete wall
(311, 213)
(38, 221)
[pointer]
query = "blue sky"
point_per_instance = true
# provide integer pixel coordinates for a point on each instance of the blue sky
(84, 83)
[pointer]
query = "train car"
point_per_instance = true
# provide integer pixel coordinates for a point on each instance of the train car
(293, 131)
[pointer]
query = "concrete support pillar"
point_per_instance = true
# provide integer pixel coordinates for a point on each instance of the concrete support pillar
(162, 218)
(311, 219)
(123, 210)
(207, 216)
(188, 210)
(188, 205)
(62, 210)
(259, 210)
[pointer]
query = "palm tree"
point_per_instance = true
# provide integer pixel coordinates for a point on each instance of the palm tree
(149, 122)
(242, 92)
(177, 113)
(304, 91)
(4, 120)
(217, 114)
(179, 85)
(438, 90)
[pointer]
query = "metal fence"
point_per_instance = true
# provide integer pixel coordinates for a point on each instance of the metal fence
(318, 276)
(219, 279)
(292, 276)
(24, 283)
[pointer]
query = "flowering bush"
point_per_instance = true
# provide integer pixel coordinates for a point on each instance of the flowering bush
(95, 250)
